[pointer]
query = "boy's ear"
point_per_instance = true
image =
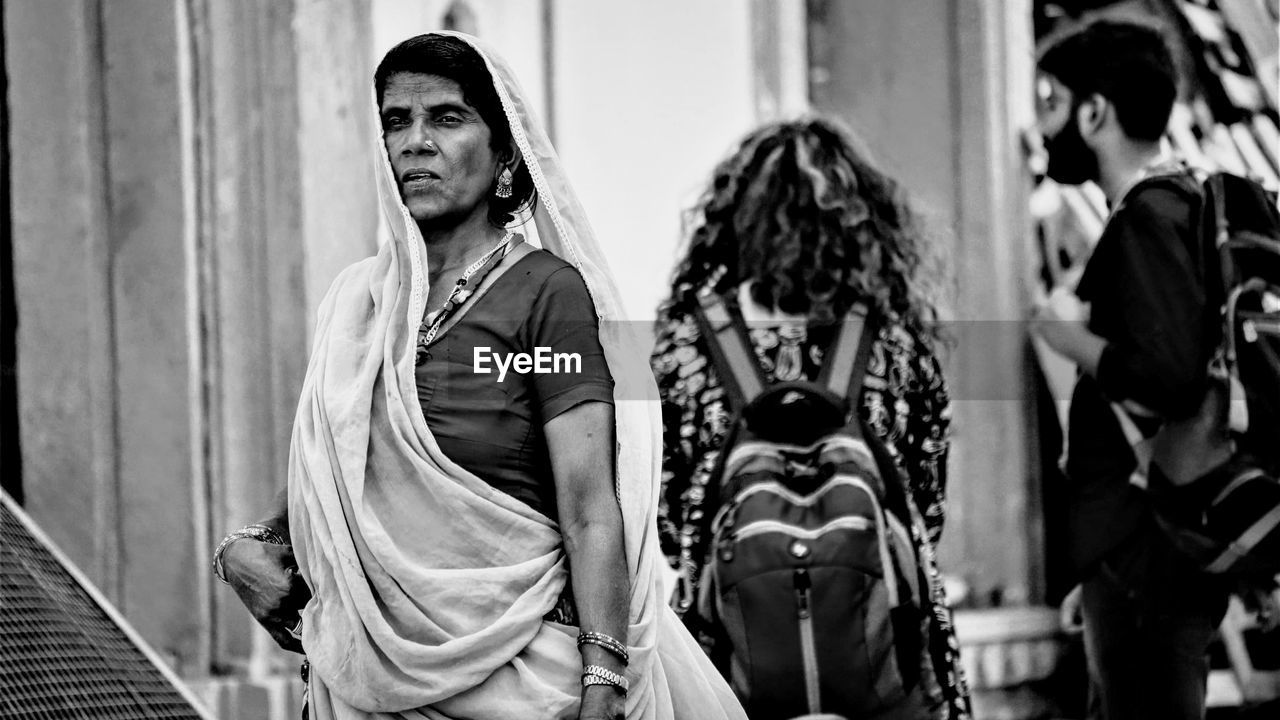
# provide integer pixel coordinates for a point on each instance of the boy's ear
(1093, 113)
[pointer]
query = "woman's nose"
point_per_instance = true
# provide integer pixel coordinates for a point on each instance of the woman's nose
(420, 138)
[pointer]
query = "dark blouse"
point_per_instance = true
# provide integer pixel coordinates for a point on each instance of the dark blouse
(539, 307)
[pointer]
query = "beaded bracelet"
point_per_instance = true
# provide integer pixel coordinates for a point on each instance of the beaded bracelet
(597, 675)
(261, 533)
(613, 646)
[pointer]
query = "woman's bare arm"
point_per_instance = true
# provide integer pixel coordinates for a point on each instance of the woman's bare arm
(581, 446)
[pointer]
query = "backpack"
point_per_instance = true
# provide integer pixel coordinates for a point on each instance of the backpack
(1213, 477)
(812, 579)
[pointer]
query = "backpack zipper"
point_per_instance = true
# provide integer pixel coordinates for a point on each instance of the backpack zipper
(808, 646)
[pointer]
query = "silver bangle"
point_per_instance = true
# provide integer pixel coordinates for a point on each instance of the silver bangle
(597, 675)
(261, 533)
(608, 643)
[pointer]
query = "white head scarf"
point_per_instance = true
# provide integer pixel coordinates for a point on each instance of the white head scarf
(429, 585)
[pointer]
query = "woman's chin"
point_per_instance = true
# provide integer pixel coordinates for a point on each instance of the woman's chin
(431, 213)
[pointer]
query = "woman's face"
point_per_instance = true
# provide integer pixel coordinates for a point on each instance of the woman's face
(439, 148)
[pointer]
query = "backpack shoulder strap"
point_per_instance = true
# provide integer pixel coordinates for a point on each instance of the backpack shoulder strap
(1216, 203)
(730, 349)
(845, 366)
(1217, 231)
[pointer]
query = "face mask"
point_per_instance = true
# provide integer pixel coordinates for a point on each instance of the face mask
(1071, 162)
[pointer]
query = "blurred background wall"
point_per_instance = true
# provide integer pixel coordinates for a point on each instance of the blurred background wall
(186, 177)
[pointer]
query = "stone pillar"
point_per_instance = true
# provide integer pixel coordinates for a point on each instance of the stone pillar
(780, 51)
(187, 178)
(61, 279)
(285, 174)
(334, 137)
(940, 93)
(105, 302)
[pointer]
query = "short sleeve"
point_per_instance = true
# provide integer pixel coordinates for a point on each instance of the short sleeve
(563, 337)
(1156, 352)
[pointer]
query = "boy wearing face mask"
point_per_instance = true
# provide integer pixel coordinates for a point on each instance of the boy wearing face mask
(1141, 328)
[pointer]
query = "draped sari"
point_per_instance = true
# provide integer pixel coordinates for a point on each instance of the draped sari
(430, 586)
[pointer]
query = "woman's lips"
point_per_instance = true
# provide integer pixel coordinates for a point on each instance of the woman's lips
(417, 177)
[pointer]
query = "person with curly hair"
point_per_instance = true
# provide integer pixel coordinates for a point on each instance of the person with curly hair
(795, 228)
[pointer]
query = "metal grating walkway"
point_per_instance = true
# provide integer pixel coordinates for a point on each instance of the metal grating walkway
(63, 653)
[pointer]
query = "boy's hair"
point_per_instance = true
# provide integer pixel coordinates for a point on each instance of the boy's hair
(1127, 63)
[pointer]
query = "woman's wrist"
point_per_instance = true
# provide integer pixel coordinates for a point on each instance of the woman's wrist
(279, 524)
(257, 531)
(598, 658)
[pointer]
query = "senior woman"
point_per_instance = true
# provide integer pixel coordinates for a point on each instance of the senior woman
(473, 547)
(796, 227)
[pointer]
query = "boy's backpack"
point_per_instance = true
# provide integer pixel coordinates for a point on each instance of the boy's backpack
(812, 576)
(1213, 476)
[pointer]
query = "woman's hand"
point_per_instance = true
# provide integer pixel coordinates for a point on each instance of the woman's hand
(265, 577)
(602, 702)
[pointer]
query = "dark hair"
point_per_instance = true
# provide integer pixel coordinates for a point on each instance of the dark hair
(452, 58)
(1127, 63)
(800, 210)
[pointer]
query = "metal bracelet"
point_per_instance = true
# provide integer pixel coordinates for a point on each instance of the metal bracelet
(608, 643)
(597, 675)
(588, 680)
(261, 533)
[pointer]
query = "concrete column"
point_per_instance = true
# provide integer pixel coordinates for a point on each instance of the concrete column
(940, 92)
(285, 171)
(154, 306)
(62, 274)
(188, 177)
(1000, 545)
(106, 303)
(335, 138)
(779, 32)
(248, 256)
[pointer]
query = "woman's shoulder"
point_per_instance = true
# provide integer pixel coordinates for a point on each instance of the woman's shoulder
(543, 264)
(912, 349)
(541, 272)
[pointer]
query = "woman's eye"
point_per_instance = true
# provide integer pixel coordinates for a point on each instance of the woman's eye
(395, 121)
(448, 119)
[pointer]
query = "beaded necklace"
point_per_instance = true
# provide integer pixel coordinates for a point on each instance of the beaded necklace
(433, 321)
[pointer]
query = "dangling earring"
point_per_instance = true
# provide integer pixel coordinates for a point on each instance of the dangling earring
(504, 184)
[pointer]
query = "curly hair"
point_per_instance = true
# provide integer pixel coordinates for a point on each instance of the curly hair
(799, 210)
